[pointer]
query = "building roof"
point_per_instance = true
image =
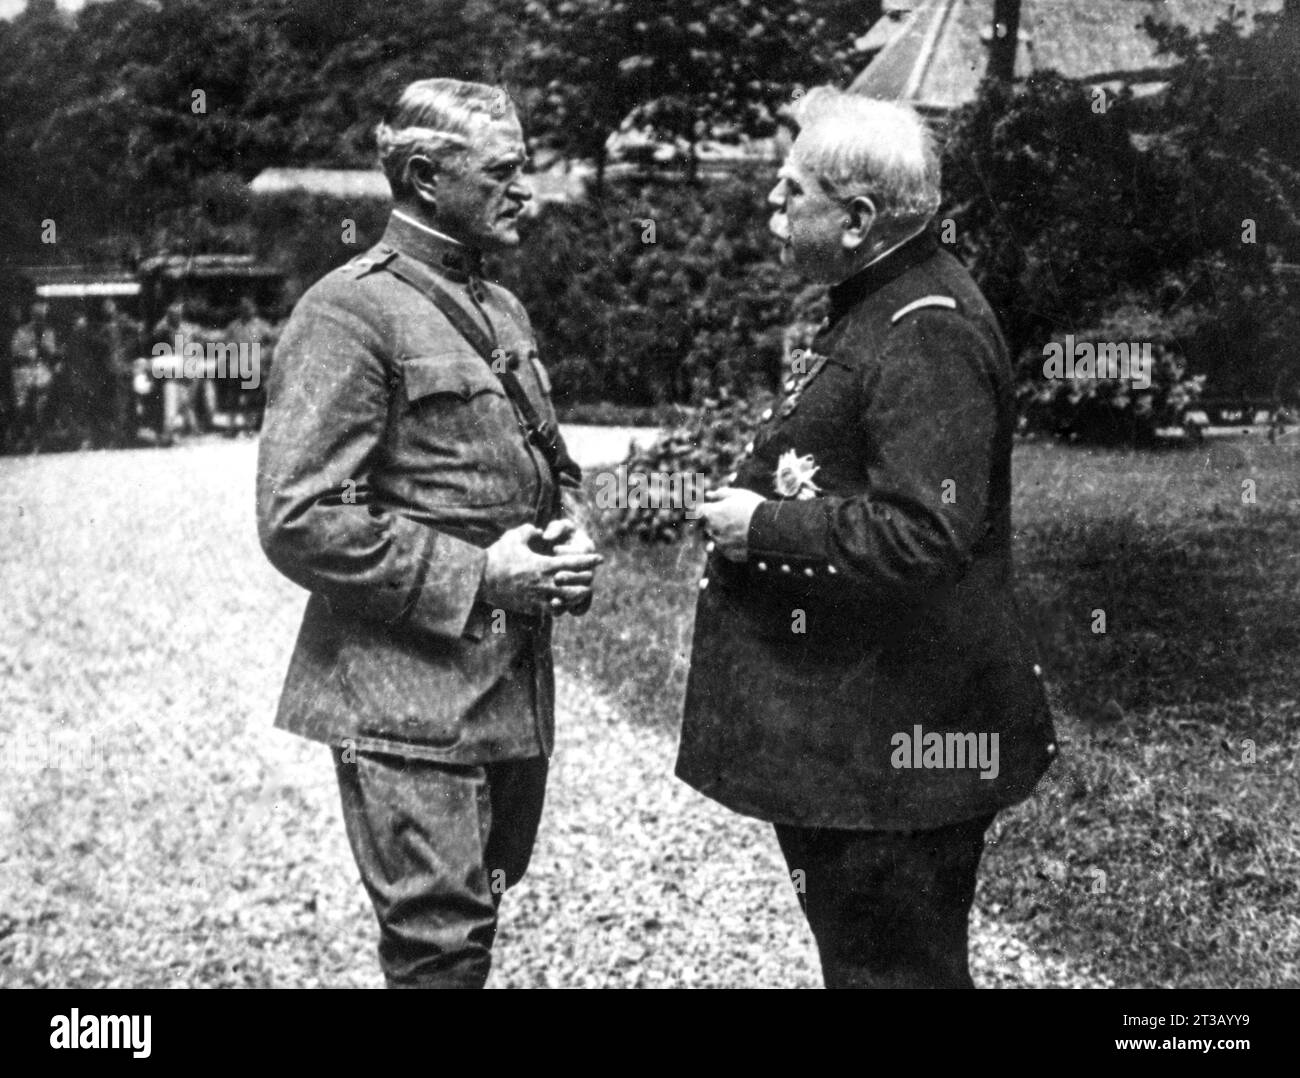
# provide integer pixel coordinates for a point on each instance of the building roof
(344, 184)
(189, 267)
(939, 54)
(554, 184)
(78, 282)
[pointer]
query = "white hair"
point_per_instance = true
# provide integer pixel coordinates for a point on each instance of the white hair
(436, 119)
(857, 145)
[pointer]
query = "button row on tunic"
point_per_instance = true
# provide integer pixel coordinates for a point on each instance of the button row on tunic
(808, 570)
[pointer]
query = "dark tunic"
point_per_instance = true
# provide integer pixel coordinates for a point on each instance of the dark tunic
(883, 603)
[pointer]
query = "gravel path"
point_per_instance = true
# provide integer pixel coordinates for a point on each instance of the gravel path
(155, 830)
(640, 882)
(593, 446)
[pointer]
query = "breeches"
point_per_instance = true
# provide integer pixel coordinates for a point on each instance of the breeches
(437, 845)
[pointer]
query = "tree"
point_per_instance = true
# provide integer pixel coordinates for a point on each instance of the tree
(681, 69)
(139, 117)
(1183, 208)
(1005, 40)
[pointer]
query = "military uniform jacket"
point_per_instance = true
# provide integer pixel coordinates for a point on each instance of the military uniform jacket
(390, 458)
(879, 603)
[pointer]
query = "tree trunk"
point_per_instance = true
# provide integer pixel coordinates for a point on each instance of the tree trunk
(1006, 40)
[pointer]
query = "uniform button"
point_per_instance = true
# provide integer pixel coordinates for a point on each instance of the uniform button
(708, 547)
(1051, 748)
(809, 571)
(1038, 670)
(767, 414)
(785, 568)
(832, 570)
(762, 567)
(749, 447)
(704, 583)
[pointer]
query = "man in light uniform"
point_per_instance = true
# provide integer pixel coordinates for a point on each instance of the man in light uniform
(410, 478)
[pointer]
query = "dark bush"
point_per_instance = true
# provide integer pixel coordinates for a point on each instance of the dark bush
(657, 294)
(1104, 410)
(305, 235)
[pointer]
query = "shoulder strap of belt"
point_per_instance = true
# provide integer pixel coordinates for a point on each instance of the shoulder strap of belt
(541, 433)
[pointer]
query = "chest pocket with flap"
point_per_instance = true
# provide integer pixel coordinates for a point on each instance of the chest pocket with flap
(458, 433)
(462, 374)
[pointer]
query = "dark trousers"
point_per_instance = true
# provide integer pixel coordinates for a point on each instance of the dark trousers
(437, 845)
(888, 909)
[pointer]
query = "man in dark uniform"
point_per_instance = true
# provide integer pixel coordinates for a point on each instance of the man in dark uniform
(858, 675)
(410, 477)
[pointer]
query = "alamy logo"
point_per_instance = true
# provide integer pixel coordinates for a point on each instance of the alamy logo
(624, 489)
(215, 359)
(1126, 360)
(76, 1030)
(952, 750)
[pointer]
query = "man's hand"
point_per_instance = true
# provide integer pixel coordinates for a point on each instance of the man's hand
(568, 537)
(521, 578)
(725, 517)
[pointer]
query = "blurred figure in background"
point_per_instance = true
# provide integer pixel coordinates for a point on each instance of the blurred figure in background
(250, 328)
(7, 407)
(34, 353)
(79, 399)
(178, 394)
(120, 341)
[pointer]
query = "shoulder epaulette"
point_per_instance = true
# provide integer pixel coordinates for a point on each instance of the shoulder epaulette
(945, 302)
(370, 261)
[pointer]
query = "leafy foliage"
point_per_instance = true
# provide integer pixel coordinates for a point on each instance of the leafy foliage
(281, 81)
(706, 448)
(1112, 411)
(656, 295)
(679, 69)
(1071, 203)
(303, 234)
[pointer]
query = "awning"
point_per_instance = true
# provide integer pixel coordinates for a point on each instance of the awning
(184, 267)
(88, 288)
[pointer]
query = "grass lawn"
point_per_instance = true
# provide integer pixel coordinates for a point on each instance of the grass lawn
(182, 841)
(1164, 847)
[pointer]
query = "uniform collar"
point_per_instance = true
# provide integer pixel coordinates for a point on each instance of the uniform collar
(878, 273)
(436, 249)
